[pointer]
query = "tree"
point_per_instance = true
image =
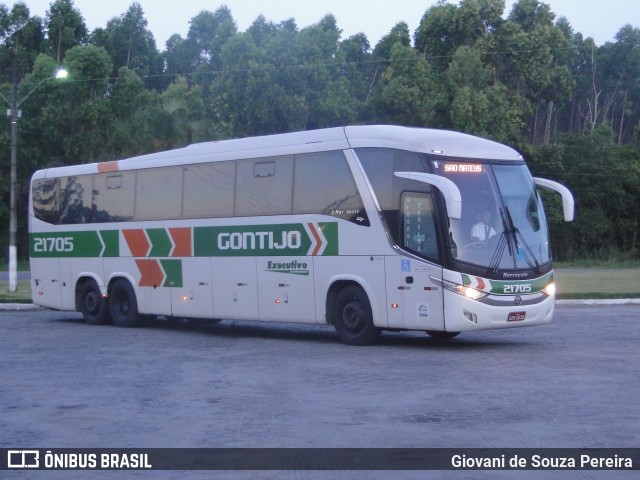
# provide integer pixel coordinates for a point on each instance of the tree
(408, 92)
(130, 43)
(444, 28)
(358, 71)
(532, 64)
(177, 56)
(21, 37)
(185, 104)
(208, 33)
(75, 118)
(65, 28)
(619, 70)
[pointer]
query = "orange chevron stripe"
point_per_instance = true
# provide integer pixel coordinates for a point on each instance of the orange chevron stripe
(151, 273)
(317, 237)
(137, 242)
(182, 241)
(105, 167)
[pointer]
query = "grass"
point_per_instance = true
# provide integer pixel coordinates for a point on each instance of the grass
(573, 283)
(21, 295)
(597, 283)
(23, 266)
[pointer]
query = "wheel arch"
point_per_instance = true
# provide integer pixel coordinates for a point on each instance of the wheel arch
(81, 281)
(338, 284)
(121, 276)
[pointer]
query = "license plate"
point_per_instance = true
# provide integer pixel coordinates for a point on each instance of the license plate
(516, 316)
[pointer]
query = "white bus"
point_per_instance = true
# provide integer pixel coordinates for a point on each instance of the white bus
(366, 228)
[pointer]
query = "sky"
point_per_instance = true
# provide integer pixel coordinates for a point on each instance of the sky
(599, 19)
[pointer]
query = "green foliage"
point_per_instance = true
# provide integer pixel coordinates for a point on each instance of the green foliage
(408, 92)
(521, 77)
(65, 28)
(605, 180)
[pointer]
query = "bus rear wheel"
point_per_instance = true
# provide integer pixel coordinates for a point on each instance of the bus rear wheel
(353, 318)
(124, 305)
(94, 308)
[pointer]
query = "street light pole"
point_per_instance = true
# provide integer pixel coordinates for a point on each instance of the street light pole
(13, 217)
(14, 113)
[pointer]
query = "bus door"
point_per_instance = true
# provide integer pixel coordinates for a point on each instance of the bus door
(414, 300)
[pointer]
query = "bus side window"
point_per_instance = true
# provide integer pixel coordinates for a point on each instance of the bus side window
(75, 199)
(264, 186)
(419, 233)
(158, 193)
(114, 196)
(209, 190)
(323, 184)
(46, 205)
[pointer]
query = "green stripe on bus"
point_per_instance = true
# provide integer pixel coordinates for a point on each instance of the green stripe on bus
(85, 244)
(173, 270)
(291, 239)
(266, 240)
(161, 244)
(508, 287)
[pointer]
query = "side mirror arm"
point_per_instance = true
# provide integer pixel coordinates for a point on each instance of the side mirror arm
(449, 190)
(568, 204)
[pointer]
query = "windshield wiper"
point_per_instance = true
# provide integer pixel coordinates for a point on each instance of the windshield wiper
(528, 254)
(502, 243)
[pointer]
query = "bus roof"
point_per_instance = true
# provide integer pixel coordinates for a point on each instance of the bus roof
(439, 142)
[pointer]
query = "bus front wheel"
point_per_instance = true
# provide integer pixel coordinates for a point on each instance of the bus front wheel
(124, 305)
(352, 317)
(93, 306)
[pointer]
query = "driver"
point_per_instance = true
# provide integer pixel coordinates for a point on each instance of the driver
(482, 231)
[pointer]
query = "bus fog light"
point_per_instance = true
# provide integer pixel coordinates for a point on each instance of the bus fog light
(472, 317)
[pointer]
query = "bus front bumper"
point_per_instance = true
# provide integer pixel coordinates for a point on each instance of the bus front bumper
(496, 311)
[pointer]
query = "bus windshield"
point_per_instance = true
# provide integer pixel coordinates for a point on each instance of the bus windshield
(502, 226)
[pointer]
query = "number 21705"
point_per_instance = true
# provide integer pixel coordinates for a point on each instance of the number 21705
(58, 244)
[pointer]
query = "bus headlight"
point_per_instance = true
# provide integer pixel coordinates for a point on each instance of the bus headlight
(471, 293)
(550, 290)
(463, 290)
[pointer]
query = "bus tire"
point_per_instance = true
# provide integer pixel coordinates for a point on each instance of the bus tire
(439, 335)
(353, 318)
(124, 305)
(94, 307)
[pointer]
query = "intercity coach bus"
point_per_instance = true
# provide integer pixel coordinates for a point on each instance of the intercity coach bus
(366, 228)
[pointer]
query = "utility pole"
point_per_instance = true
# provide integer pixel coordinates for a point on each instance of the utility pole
(13, 216)
(15, 113)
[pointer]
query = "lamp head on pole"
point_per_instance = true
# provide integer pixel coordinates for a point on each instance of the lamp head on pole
(62, 73)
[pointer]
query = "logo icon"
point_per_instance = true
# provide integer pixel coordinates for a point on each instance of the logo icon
(422, 311)
(23, 459)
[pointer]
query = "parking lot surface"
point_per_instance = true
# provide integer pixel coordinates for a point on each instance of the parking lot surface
(574, 383)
